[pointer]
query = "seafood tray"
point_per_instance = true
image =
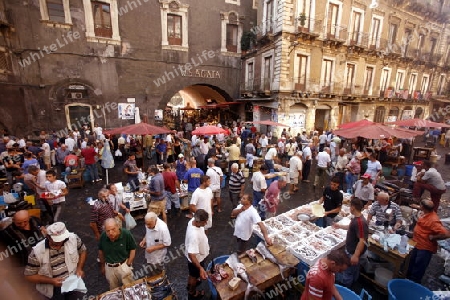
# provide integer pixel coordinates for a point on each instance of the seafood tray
(328, 239)
(277, 240)
(304, 209)
(289, 236)
(305, 253)
(111, 295)
(285, 220)
(272, 223)
(309, 226)
(317, 245)
(136, 292)
(298, 229)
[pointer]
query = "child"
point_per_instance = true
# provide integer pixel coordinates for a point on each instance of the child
(58, 191)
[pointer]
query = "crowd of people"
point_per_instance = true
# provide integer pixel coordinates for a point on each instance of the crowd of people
(200, 164)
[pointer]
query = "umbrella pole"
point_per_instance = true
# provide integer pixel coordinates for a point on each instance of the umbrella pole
(107, 179)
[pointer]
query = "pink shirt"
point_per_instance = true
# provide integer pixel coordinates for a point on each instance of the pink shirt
(272, 197)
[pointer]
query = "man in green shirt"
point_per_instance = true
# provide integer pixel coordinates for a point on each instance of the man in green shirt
(117, 249)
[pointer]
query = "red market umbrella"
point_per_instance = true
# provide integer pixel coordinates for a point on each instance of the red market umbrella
(209, 130)
(377, 131)
(139, 129)
(418, 123)
(359, 123)
(268, 123)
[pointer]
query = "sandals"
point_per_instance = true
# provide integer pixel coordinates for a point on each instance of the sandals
(199, 294)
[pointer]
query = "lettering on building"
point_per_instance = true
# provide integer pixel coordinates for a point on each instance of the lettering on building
(200, 73)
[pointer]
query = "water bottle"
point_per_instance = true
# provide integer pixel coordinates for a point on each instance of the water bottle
(403, 244)
(385, 246)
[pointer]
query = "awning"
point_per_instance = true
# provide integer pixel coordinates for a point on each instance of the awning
(269, 104)
(255, 99)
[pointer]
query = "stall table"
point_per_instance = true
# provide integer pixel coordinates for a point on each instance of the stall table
(263, 274)
(421, 153)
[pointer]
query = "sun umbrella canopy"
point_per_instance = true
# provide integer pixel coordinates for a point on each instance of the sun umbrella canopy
(268, 123)
(140, 129)
(208, 130)
(418, 123)
(359, 123)
(377, 131)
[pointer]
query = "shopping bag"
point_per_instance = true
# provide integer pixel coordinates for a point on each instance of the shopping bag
(9, 198)
(130, 223)
(118, 153)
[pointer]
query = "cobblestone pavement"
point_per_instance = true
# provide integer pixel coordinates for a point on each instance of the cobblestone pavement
(76, 215)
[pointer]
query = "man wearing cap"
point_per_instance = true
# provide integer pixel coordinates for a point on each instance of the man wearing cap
(295, 171)
(364, 190)
(180, 167)
(53, 259)
(353, 171)
(379, 209)
(431, 181)
(116, 251)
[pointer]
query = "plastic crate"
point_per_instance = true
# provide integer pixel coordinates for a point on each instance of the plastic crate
(2, 198)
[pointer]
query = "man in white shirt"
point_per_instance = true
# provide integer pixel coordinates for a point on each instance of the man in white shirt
(70, 142)
(263, 142)
(341, 166)
(259, 185)
(323, 162)
(46, 154)
(364, 190)
(270, 157)
(205, 146)
(215, 174)
(431, 181)
(295, 171)
(202, 198)
(155, 242)
(246, 216)
(58, 191)
(322, 141)
(196, 250)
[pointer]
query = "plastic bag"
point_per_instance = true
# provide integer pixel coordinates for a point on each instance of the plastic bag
(130, 223)
(118, 153)
(9, 198)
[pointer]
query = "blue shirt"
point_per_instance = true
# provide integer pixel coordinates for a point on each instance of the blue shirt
(29, 162)
(157, 185)
(161, 148)
(193, 178)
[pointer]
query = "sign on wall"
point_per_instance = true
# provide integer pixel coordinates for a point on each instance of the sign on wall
(407, 114)
(126, 111)
(158, 114)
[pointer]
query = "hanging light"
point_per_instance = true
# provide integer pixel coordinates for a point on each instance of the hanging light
(374, 4)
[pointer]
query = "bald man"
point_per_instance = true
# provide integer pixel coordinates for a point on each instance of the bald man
(22, 235)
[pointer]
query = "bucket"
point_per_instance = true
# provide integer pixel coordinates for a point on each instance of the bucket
(433, 158)
(382, 276)
(348, 294)
(218, 260)
(408, 170)
(387, 170)
(404, 289)
(246, 172)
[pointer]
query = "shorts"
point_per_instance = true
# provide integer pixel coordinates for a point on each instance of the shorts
(47, 160)
(193, 270)
(158, 207)
(294, 180)
(216, 193)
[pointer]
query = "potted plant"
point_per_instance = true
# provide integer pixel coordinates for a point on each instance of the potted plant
(248, 40)
(302, 22)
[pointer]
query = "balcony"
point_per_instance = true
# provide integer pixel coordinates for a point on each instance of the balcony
(377, 44)
(435, 58)
(358, 39)
(330, 87)
(308, 28)
(335, 33)
(247, 86)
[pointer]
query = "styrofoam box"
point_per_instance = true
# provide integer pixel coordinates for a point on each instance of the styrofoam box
(136, 205)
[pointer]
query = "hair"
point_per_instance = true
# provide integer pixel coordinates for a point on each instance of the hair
(102, 191)
(427, 205)
(166, 166)
(336, 179)
(131, 154)
(427, 164)
(383, 194)
(264, 168)
(112, 220)
(282, 179)
(50, 172)
(357, 204)
(153, 169)
(32, 169)
(150, 216)
(109, 185)
(204, 178)
(211, 160)
(339, 257)
(28, 154)
(201, 215)
(235, 166)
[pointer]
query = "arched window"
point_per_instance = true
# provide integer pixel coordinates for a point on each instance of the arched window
(379, 114)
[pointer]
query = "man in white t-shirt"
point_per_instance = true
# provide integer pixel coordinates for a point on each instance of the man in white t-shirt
(202, 198)
(270, 157)
(322, 141)
(215, 174)
(295, 171)
(323, 162)
(246, 216)
(307, 156)
(70, 142)
(196, 250)
(263, 142)
(58, 191)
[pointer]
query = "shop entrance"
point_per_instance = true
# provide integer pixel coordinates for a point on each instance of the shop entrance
(78, 114)
(322, 118)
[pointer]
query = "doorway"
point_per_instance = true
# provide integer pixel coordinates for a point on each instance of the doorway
(79, 114)
(322, 119)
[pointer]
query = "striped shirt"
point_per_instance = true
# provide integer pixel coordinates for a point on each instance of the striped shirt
(101, 210)
(236, 181)
(57, 261)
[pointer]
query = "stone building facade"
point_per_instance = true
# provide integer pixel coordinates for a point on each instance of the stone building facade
(317, 64)
(63, 62)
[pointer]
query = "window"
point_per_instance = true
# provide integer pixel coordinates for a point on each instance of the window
(379, 114)
(407, 41)
(374, 37)
(392, 34)
(418, 113)
(300, 81)
(5, 63)
(327, 75)
(174, 33)
(412, 83)
(249, 76)
(349, 78)
(356, 28)
(399, 80)
(267, 73)
(441, 85)
(102, 23)
(333, 21)
(424, 85)
(268, 16)
(102, 19)
(384, 80)
(174, 25)
(232, 37)
(432, 45)
(237, 2)
(56, 11)
(368, 80)
(393, 114)
(420, 42)
(231, 33)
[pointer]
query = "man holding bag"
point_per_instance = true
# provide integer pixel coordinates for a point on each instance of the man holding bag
(100, 211)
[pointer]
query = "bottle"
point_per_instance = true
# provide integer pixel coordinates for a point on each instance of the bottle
(403, 244)
(385, 246)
